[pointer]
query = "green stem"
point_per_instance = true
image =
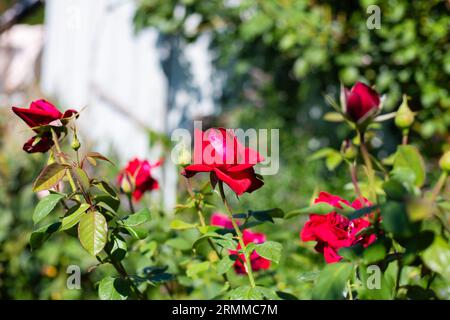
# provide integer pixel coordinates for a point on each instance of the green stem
(130, 202)
(63, 161)
(440, 183)
(349, 288)
(354, 176)
(239, 235)
(201, 218)
(121, 270)
(369, 166)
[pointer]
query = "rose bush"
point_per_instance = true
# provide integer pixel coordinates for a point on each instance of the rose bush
(397, 225)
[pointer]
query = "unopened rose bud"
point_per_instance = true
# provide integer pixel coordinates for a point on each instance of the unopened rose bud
(75, 143)
(126, 185)
(405, 117)
(444, 163)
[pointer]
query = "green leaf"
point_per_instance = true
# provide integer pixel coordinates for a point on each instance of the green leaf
(437, 257)
(45, 206)
(408, 156)
(267, 293)
(267, 215)
(92, 232)
(181, 225)
(179, 243)
(332, 281)
(333, 117)
(137, 232)
(82, 178)
(196, 268)
(318, 208)
(375, 252)
(39, 236)
(309, 276)
(138, 218)
(49, 177)
(322, 153)
(98, 156)
(245, 293)
(111, 288)
(333, 160)
(224, 264)
(74, 217)
(386, 288)
(352, 253)
(270, 250)
(395, 219)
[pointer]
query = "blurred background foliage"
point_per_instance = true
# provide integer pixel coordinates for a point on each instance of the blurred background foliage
(275, 60)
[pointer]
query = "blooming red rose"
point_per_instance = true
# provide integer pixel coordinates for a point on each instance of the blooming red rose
(219, 152)
(333, 231)
(41, 113)
(257, 262)
(360, 102)
(139, 175)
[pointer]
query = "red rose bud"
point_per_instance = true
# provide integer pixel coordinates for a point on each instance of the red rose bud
(140, 172)
(219, 152)
(333, 231)
(360, 103)
(41, 113)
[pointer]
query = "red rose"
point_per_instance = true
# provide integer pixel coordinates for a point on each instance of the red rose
(360, 102)
(221, 220)
(41, 113)
(138, 172)
(333, 231)
(257, 262)
(219, 152)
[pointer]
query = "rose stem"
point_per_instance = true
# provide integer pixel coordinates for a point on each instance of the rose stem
(439, 184)
(201, 218)
(349, 288)
(368, 163)
(239, 235)
(354, 176)
(63, 161)
(118, 266)
(130, 202)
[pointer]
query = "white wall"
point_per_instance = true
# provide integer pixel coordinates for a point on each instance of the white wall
(93, 58)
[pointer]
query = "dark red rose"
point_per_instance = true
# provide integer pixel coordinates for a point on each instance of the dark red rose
(257, 262)
(360, 102)
(39, 143)
(139, 174)
(333, 231)
(41, 112)
(219, 152)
